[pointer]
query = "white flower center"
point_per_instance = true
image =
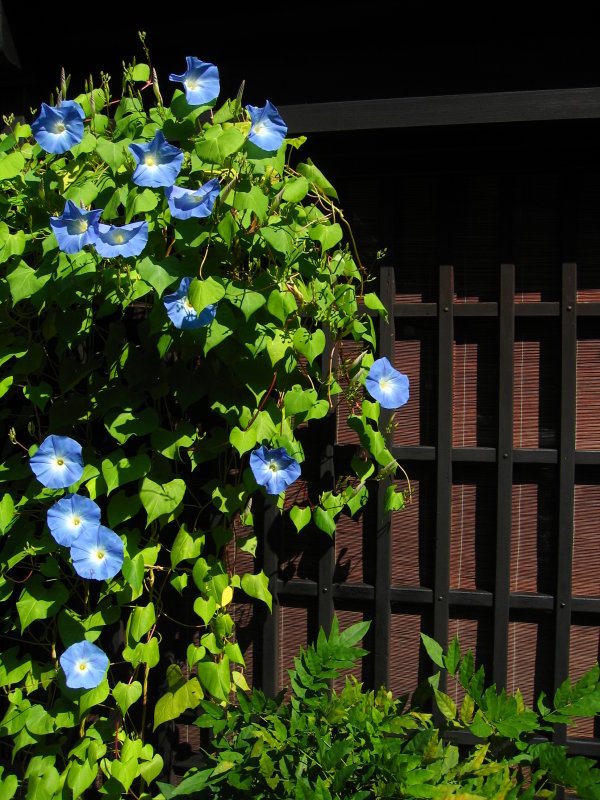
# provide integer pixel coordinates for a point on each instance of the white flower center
(82, 666)
(191, 84)
(273, 466)
(59, 127)
(150, 161)
(82, 225)
(188, 307)
(60, 462)
(76, 521)
(260, 128)
(118, 238)
(385, 384)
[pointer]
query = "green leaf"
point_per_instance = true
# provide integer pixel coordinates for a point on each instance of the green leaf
(40, 600)
(140, 622)
(93, 697)
(203, 293)
(14, 246)
(314, 175)
(186, 546)
(5, 384)
(8, 786)
(11, 165)
(300, 516)
(123, 424)
(159, 499)
(124, 771)
(149, 770)
(218, 144)
(295, 190)
(243, 440)
(324, 520)
(310, 345)
(160, 275)
(24, 282)
(112, 153)
(277, 238)
(452, 660)
(327, 235)
(143, 653)
(118, 470)
(434, 650)
(141, 72)
(38, 395)
(205, 608)
(81, 776)
(122, 507)
(250, 198)
(215, 678)
(375, 304)
(181, 696)
(394, 501)
(7, 512)
(140, 203)
(445, 704)
(257, 586)
(281, 304)
(126, 694)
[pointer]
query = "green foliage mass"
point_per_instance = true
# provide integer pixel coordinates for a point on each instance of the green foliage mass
(166, 417)
(357, 745)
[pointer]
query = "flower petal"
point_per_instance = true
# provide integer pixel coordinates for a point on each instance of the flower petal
(200, 81)
(274, 468)
(72, 516)
(386, 385)
(75, 227)
(97, 555)
(57, 129)
(126, 240)
(158, 162)
(84, 665)
(186, 203)
(268, 130)
(57, 463)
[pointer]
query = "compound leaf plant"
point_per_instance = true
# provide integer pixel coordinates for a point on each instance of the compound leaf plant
(175, 291)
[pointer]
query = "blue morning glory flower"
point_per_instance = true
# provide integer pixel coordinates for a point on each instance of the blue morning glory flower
(97, 555)
(200, 81)
(158, 162)
(387, 385)
(75, 227)
(274, 469)
(186, 203)
(182, 313)
(84, 665)
(57, 463)
(268, 130)
(127, 240)
(56, 130)
(71, 516)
